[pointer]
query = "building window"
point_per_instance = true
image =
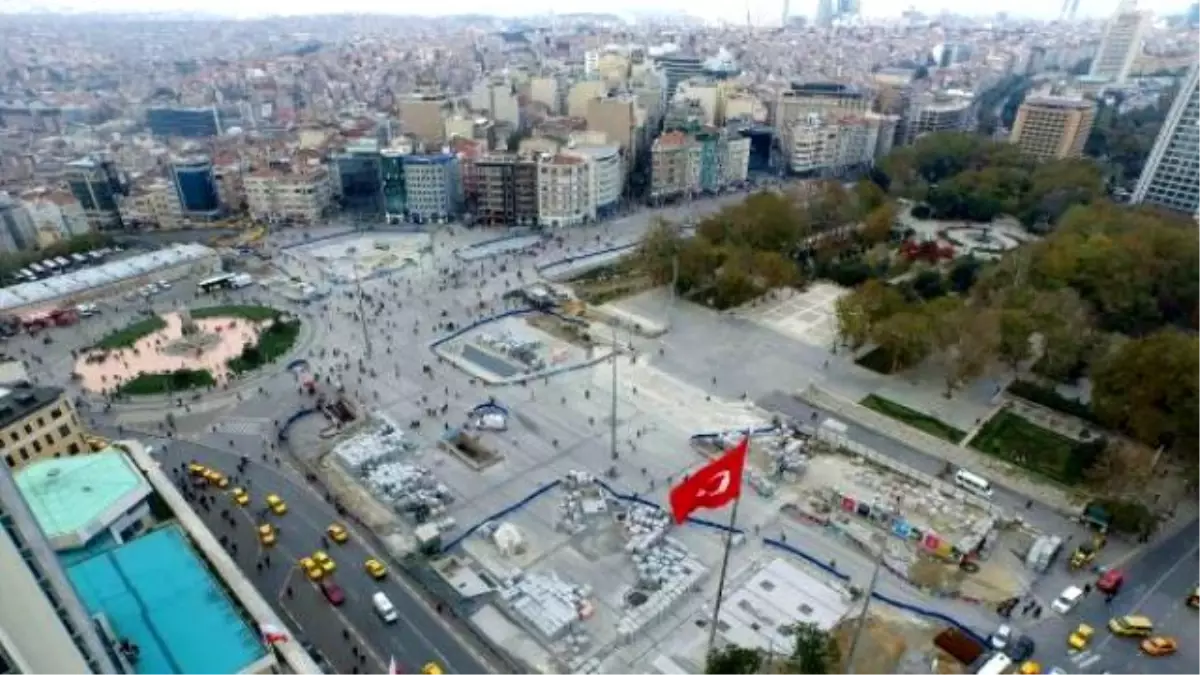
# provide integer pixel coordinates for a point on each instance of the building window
(37, 446)
(56, 413)
(49, 439)
(64, 430)
(29, 428)
(41, 422)
(10, 461)
(24, 455)
(73, 449)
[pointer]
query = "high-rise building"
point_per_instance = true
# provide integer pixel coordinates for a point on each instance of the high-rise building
(1122, 42)
(934, 112)
(184, 122)
(802, 100)
(44, 626)
(96, 184)
(679, 66)
(196, 187)
(433, 187)
(825, 12)
(360, 179)
(421, 115)
(1171, 177)
(1053, 127)
(395, 198)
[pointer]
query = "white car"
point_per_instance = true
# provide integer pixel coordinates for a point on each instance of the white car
(1066, 601)
(1001, 637)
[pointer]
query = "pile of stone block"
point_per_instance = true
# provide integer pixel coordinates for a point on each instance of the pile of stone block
(551, 606)
(409, 488)
(582, 501)
(362, 452)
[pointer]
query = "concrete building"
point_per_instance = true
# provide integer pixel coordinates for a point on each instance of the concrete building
(95, 183)
(496, 195)
(109, 279)
(616, 117)
(37, 423)
(295, 193)
(678, 66)
(422, 115)
(1122, 42)
(608, 176)
(834, 143)
(44, 626)
(549, 92)
(526, 181)
(934, 112)
(735, 160)
(196, 186)
(564, 185)
(17, 229)
(152, 204)
(1053, 127)
(56, 215)
(801, 100)
(708, 95)
(671, 173)
(433, 188)
(581, 94)
(1171, 177)
(498, 98)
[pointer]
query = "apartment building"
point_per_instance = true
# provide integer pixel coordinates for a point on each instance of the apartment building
(37, 422)
(616, 117)
(496, 194)
(802, 100)
(422, 116)
(151, 204)
(548, 92)
(934, 112)
(671, 171)
(1053, 127)
(1121, 44)
(564, 185)
(581, 94)
(735, 160)
(17, 230)
(608, 175)
(832, 144)
(55, 215)
(528, 198)
(708, 97)
(292, 193)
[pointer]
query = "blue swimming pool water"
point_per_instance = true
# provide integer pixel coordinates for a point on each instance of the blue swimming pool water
(157, 593)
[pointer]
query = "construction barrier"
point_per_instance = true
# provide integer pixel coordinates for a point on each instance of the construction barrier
(713, 435)
(282, 435)
(500, 514)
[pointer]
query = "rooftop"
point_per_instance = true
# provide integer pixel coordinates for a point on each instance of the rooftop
(74, 498)
(155, 592)
(18, 401)
(53, 288)
(779, 595)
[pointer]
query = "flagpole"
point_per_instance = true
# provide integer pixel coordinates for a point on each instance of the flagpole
(712, 628)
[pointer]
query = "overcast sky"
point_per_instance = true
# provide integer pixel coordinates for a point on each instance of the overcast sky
(733, 10)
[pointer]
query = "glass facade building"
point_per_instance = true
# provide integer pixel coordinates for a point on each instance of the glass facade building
(360, 173)
(196, 186)
(184, 122)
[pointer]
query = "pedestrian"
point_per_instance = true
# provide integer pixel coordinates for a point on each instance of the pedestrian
(1087, 588)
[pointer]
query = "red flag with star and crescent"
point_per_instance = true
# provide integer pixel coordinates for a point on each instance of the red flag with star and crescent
(713, 486)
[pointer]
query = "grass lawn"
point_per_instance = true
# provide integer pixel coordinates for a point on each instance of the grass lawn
(127, 336)
(1015, 439)
(913, 418)
(273, 343)
(163, 383)
(248, 312)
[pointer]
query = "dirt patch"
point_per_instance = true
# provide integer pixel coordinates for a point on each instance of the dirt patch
(598, 291)
(567, 331)
(879, 650)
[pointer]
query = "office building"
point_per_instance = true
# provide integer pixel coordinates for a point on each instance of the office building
(948, 54)
(707, 94)
(196, 186)
(1121, 44)
(826, 12)
(1053, 127)
(359, 183)
(96, 185)
(564, 186)
(671, 173)
(608, 176)
(1171, 177)
(433, 188)
(289, 193)
(17, 231)
(395, 198)
(835, 143)
(934, 112)
(422, 116)
(184, 122)
(677, 67)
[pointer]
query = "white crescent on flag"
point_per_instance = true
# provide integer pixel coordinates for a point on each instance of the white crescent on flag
(720, 482)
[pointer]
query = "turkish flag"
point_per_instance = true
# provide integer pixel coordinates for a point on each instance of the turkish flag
(713, 486)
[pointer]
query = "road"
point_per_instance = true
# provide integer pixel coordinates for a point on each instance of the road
(1158, 581)
(419, 637)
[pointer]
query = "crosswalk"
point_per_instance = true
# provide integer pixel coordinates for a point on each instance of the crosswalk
(1084, 659)
(245, 426)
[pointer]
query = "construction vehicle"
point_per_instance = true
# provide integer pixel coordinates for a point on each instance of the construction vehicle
(1082, 557)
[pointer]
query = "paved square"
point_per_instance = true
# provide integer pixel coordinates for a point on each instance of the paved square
(807, 315)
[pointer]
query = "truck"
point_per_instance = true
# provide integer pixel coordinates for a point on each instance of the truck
(964, 648)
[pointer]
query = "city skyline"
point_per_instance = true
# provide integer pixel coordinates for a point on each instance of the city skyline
(761, 11)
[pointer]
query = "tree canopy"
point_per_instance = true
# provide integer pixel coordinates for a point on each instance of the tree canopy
(814, 651)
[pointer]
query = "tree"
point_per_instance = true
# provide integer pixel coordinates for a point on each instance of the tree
(905, 337)
(733, 660)
(974, 346)
(868, 196)
(859, 312)
(877, 225)
(1017, 327)
(1148, 387)
(660, 246)
(964, 272)
(815, 651)
(928, 284)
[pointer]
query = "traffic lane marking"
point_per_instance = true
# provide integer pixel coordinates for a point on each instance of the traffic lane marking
(1146, 596)
(311, 602)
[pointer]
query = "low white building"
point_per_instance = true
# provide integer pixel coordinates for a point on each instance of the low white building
(565, 191)
(779, 595)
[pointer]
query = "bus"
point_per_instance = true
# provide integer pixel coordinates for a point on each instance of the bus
(216, 283)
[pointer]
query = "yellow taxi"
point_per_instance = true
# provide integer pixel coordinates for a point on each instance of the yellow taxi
(376, 569)
(217, 478)
(431, 668)
(1081, 637)
(277, 505)
(337, 533)
(197, 469)
(1030, 668)
(1159, 646)
(1131, 626)
(266, 534)
(311, 569)
(326, 563)
(240, 496)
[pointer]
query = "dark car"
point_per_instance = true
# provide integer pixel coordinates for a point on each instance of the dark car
(332, 592)
(1021, 649)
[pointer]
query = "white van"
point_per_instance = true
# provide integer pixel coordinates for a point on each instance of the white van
(972, 483)
(384, 608)
(1067, 600)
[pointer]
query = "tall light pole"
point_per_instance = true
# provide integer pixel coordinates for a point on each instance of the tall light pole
(862, 616)
(362, 312)
(612, 428)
